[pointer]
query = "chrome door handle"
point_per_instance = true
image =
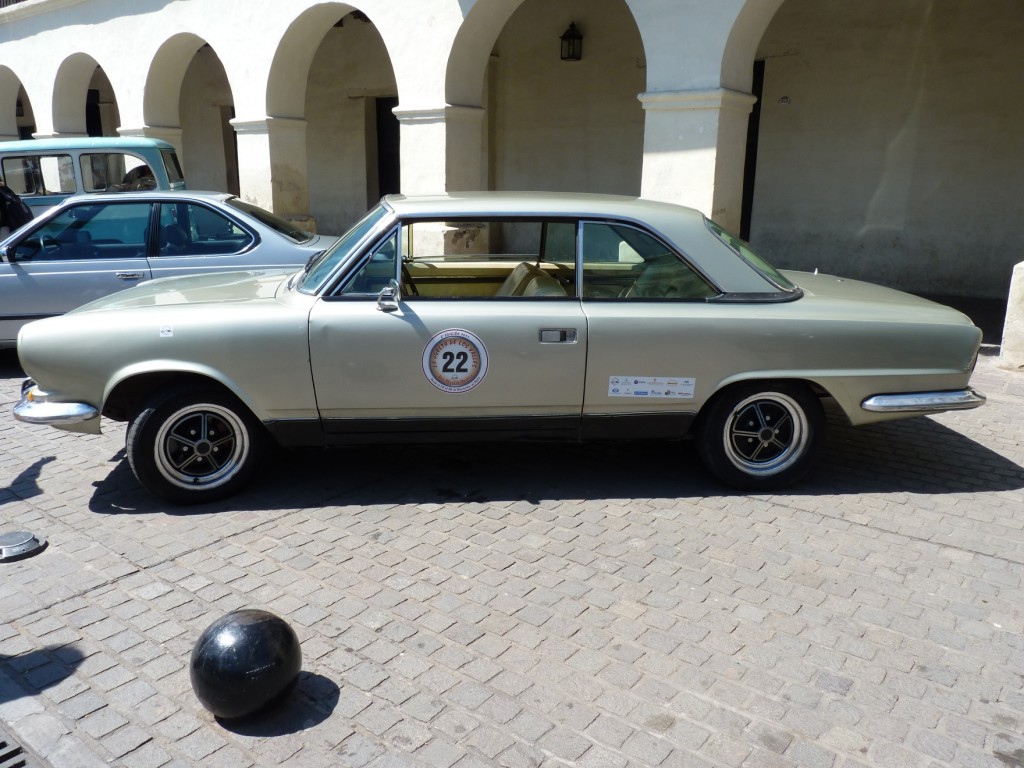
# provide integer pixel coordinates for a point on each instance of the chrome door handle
(129, 275)
(557, 335)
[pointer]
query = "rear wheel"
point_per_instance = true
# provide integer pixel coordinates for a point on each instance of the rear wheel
(761, 435)
(194, 445)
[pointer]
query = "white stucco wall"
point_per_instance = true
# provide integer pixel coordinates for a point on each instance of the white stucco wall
(890, 142)
(567, 126)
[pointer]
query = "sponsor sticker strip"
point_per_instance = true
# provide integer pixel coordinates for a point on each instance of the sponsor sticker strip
(678, 387)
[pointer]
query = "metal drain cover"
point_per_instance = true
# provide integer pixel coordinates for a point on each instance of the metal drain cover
(20, 544)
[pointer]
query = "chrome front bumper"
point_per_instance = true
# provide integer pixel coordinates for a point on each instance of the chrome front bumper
(32, 408)
(924, 402)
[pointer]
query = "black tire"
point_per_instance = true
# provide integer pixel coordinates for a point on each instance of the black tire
(761, 436)
(173, 458)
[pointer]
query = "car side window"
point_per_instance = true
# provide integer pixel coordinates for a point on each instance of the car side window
(623, 262)
(98, 231)
(190, 229)
(37, 175)
(521, 258)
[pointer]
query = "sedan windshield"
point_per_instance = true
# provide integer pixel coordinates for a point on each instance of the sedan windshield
(321, 268)
(293, 233)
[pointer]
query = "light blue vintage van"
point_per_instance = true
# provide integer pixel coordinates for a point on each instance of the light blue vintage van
(45, 171)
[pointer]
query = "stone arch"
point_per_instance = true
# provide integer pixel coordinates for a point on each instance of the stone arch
(70, 94)
(160, 102)
(10, 91)
(467, 64)
(289, 70)
(741, 45)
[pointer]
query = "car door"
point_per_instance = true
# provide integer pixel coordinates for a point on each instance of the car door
(451, 344)
(83, 253)
(654, 337)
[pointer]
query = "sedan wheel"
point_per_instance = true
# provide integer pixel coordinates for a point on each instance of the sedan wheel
(194, 446)
(761, 436)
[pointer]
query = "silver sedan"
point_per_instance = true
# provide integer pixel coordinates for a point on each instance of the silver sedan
(94, 245)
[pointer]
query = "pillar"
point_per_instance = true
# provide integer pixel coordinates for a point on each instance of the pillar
(272, 167)
(1011, 353)
(442, 149)
(694, 149)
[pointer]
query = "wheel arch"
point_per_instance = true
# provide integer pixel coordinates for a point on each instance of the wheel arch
(135, 387)
(761, 378)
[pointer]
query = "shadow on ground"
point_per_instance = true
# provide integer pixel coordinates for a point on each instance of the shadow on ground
(913, 456)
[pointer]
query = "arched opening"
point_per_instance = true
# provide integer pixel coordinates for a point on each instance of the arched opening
(333, 72)
(188, 95)
(551, 124)
(84, 103)
(889, 143)
(567, 125)
(16, 118)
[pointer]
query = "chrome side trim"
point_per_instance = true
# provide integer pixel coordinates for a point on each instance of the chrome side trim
(924, 402)
(33, 411)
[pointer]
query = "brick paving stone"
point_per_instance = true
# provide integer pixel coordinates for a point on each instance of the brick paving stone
(628, 614)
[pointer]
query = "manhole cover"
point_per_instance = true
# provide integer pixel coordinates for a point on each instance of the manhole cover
(19, 544)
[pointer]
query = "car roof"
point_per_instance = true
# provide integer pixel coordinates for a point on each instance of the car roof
(81, 142)
(154, 194)
(552, 204)
(685, 227)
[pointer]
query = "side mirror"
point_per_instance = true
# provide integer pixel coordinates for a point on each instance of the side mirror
(389, 296)
(7, 254)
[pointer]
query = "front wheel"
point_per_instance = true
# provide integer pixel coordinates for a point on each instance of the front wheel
(761, 436)
(194, 445)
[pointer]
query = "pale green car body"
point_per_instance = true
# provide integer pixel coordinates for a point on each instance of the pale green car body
(319, 362)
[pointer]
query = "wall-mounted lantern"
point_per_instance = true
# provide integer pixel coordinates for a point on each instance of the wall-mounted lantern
(572, 44)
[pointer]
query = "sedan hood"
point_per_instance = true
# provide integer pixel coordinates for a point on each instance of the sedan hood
(195, 289)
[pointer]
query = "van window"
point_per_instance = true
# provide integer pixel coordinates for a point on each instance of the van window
(36, 175)
(115, 172)
(174, 174)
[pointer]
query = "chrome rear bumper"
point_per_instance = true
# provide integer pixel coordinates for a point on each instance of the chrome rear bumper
(924, 402)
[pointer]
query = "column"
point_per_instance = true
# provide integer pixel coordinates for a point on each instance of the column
(272, 167)
(1011, 352)
(694, 149)
(442, 149)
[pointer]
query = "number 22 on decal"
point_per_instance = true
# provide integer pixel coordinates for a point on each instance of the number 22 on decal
(458, 358)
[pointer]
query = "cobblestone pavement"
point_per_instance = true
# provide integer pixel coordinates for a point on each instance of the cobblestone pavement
(534, 605)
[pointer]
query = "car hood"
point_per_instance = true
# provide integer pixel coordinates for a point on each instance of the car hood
(870, 297)
(195, 289)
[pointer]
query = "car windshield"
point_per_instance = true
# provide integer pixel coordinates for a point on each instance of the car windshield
(293, 233)
(320, 269)
(751, 258)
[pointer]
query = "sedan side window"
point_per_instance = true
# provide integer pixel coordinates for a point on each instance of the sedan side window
(189, 229)
(626, 263)
(509, 258)
(100, 231)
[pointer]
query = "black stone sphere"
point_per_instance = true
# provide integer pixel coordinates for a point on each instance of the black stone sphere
(245, 661)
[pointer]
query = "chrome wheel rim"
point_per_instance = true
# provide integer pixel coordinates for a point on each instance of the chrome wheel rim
(766, 434)
(201, 446)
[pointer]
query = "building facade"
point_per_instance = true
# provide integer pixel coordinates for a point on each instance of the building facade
(874, 139)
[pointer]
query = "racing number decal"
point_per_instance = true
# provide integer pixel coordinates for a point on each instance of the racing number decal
(455, 361)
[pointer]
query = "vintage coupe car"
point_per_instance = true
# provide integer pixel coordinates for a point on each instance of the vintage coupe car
(497, 316)
(93, 245)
